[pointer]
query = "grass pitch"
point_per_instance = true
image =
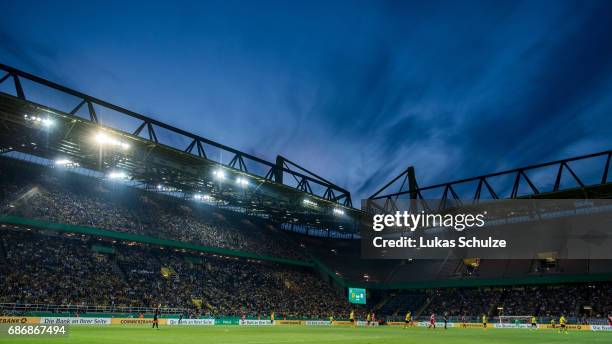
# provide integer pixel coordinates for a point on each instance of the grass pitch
(306, 335)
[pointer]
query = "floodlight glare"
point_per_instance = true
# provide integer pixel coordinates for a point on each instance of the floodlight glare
(45, 122)
(117, 175)
(66, 163)
(219, 174)
(309, 202)
(242, 181)
(338, 212)
(104, 140)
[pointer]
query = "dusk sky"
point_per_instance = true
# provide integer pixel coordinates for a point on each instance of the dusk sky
(355, 91)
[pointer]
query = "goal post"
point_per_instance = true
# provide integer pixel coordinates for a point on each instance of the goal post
(515, 319)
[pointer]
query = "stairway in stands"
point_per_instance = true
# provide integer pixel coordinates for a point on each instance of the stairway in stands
(425, 305)
(380, 306)
(117, 269)
(404, 302)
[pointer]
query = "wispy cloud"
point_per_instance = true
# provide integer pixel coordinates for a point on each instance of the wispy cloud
(356, 91)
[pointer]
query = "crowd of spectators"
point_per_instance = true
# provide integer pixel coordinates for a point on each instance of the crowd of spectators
(47, 268)
(55, 271)
(573, 300)
(462, 301)
(73, 199)
(60, 270)
(52, 269)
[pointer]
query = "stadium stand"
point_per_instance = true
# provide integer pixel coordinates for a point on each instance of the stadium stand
(544, 301)
(136, 275)
(95, 272)
(461, 301)
(401, 302)
(112, 274)
(36, 192)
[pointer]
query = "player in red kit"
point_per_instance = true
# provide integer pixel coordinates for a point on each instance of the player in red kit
(432, 321)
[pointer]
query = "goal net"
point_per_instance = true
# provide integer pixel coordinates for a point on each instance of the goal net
(516, 320)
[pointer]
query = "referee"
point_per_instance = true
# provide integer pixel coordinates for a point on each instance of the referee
(156, 318)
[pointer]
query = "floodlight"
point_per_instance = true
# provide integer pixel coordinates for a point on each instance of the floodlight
(219, 174)
(105, 140)
(66, 163)
(47, 122)
(102, 138)
(309, 202)
(242, 181)
(117, 175)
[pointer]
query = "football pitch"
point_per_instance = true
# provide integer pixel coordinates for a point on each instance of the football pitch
(303, 334)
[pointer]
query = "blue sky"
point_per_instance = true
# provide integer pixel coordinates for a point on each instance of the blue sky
(355, 90)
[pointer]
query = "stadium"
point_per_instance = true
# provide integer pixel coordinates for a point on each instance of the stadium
(117, 227)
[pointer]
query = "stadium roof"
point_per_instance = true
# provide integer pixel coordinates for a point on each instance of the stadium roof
(122, 144)
(579, 177)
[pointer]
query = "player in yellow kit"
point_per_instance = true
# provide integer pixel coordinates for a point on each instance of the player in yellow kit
(272, 318)
(408, 320)
(562, 323)
(352, 317)
(534, 324)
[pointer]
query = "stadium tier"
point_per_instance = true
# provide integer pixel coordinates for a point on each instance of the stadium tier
(111, 276)
(98, 273)
(36, 192)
